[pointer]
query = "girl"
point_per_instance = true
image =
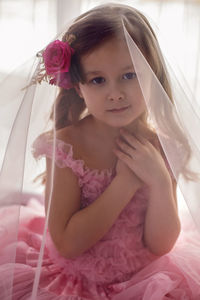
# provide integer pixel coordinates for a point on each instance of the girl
(110, 196)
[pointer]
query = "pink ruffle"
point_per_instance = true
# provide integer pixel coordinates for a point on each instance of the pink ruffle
(91, 181)
(173, 276)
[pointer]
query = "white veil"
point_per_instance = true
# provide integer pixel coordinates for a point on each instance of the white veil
(26, 111)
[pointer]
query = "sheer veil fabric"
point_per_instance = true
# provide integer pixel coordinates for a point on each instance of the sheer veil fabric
(25, 107)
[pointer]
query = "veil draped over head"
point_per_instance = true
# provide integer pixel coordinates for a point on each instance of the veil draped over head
(27, 99)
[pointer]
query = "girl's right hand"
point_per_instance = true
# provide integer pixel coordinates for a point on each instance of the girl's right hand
(123, 171)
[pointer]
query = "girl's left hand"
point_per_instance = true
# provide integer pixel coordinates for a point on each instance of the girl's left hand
(142, 158)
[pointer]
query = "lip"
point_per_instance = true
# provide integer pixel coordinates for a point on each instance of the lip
(117, 110)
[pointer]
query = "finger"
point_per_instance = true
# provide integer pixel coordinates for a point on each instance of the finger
(126, 148)
(131, 139)
(124, 157)
(141, 139)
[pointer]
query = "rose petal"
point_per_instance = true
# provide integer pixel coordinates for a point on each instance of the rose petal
(57, 57)
(62, 80)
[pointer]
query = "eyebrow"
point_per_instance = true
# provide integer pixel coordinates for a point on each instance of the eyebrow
(128, 68)
(94, 73)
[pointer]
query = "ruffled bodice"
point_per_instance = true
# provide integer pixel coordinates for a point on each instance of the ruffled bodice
(121, 252)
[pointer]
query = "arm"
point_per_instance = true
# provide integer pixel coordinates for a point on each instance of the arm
(162, 225)
(73, 230)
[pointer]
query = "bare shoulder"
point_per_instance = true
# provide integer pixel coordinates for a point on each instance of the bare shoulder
(75, 135)
(72, 133)
(68, 134)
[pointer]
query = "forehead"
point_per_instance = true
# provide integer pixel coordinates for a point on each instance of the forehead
(113, 53)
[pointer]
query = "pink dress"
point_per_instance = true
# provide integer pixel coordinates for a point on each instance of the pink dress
(117, 267)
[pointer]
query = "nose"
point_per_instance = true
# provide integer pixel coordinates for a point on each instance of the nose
(115, 93)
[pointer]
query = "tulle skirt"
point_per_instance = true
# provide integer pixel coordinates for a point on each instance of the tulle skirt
(172, 276)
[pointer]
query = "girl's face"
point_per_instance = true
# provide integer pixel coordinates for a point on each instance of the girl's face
(111, 90)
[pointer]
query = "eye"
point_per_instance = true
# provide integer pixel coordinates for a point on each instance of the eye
(129, 75)
(97, 80)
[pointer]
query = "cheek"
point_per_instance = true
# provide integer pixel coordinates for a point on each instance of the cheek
(93, 106)
(87, 93)
(141, 103)
(92, 97)
(139, 96)
(91, 102)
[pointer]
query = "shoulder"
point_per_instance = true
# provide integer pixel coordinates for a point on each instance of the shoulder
(69, 134)
(65, 138)
(73, 135)
(65, 147)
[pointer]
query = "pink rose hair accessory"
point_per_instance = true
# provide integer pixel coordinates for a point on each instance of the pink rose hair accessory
(62, 80)
(57, 57)
(54, 63)
(57, 61)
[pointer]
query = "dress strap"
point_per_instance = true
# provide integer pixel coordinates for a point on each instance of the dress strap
(44, 146)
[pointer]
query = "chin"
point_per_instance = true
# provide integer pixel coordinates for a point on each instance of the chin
(121, 123)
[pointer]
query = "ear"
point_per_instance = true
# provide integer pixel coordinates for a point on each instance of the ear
(78, 90)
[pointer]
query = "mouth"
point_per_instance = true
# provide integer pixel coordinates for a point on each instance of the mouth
(117, 110)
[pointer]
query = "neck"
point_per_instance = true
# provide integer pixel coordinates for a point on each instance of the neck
(108, 134)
